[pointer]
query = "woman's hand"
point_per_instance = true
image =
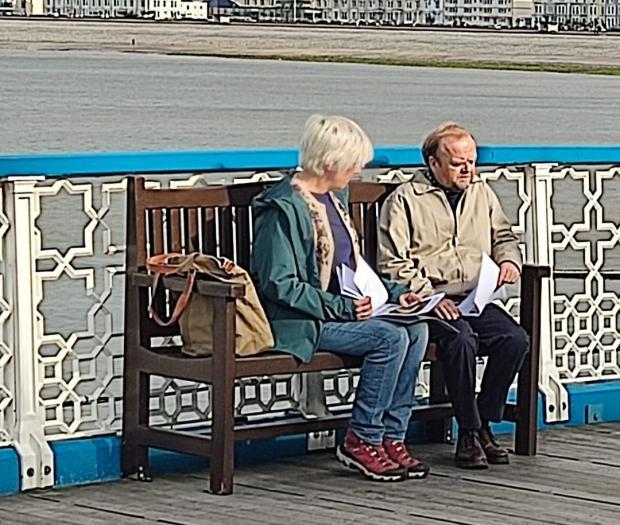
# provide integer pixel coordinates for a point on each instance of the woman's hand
(408, 299)
(363, 308)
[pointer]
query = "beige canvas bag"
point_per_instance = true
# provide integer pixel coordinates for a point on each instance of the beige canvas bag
(195, 312)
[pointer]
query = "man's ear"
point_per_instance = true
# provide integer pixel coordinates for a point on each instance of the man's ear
(432, 163)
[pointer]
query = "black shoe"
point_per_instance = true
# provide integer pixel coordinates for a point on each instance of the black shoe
(469, 453)
(495, 454)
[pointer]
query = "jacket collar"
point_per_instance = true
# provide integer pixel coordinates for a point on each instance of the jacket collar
(283, 193)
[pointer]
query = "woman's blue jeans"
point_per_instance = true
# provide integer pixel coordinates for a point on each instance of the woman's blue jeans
(385, 393)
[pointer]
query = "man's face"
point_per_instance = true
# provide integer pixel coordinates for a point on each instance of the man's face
(454, 165)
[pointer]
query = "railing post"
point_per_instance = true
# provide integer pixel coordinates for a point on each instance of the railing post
(36, 458)
(539, 239)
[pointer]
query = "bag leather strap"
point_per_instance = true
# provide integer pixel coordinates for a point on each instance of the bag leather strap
(159, 265)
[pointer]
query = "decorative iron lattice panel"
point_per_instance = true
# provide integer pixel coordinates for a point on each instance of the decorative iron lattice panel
(585, 235)
(7, 386)
(79, 293)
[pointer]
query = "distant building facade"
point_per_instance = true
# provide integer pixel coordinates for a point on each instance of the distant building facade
(357, 12)
(178, 10)
(573, 14)
(93, 8)
(482, 13)
(567, 14)
(612, 14)
(22, 7)
(522, 13)
(272, 10)
(432, 12)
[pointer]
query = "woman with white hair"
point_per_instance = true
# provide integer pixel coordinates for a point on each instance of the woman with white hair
(302, 232)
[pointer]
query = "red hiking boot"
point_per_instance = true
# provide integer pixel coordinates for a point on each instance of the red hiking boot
(398, 452)
(370, 460)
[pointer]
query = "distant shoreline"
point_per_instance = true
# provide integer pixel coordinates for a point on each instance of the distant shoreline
(470, 49)
(448, 64)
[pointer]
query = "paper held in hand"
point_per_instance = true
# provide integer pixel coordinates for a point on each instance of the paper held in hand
(364, 282)
(485, 290)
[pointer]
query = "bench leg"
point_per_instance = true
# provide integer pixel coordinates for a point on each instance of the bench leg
(135, 457)
(438, 430)
(527, 391)
(527, 405)
(222, 457)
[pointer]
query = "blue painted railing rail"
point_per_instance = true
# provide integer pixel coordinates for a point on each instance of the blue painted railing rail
(61, 164)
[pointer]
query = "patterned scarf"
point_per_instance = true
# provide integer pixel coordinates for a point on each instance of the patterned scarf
(323, 239)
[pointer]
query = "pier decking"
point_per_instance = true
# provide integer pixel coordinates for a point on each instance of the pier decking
(574, 479)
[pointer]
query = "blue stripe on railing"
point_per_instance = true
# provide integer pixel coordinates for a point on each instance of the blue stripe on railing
(9, 471)
(265, 159)
(146, 162)
(560, 154)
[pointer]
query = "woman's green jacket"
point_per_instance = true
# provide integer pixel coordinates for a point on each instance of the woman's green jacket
(285, 272)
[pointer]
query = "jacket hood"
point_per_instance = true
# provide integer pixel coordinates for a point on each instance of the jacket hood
(275, 195)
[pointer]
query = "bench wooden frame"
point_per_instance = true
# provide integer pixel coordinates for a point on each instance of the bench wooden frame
(174, 220)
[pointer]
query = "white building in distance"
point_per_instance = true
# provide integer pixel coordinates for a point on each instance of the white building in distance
(573, 14)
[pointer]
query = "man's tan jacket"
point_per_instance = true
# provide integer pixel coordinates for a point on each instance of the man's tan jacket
(423, 246)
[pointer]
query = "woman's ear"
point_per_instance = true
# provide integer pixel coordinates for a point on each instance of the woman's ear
(329, 171)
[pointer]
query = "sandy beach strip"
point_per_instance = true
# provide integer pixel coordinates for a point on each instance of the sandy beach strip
(586, 53)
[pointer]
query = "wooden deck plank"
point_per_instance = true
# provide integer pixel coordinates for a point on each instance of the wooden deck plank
(575, 479)
(436, 490)
(37, 510)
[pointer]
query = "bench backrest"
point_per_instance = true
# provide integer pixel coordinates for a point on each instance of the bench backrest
(218, 220)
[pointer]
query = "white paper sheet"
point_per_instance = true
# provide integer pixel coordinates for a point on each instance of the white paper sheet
(485, 290)
(346, 278)
(369, 284)
(364, 282)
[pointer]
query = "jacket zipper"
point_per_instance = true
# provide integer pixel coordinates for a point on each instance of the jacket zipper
(455, 229)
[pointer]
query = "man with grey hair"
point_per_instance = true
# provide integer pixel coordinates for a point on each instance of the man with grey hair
(433, 233)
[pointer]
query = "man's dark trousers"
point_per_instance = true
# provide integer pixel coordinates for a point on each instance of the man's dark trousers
(494, 334)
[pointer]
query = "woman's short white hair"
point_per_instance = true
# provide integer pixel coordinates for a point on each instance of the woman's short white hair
(333, 142)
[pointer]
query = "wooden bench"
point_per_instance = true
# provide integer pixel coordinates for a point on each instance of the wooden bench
(217, 220)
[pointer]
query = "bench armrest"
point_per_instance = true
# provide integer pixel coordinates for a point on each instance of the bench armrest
(531, 290)
(535, 271)
(176, 283)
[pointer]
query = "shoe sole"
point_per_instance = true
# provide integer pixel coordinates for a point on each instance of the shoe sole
(347, 461)
(417, 475)
(498, 461)
(473, 466)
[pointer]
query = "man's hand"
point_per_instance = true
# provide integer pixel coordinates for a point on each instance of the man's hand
(508, 273)
(447, 310)
(408, 299)
(363, 308)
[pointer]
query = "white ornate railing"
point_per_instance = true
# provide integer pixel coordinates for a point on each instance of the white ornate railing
(61, 312)
(7, 375)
